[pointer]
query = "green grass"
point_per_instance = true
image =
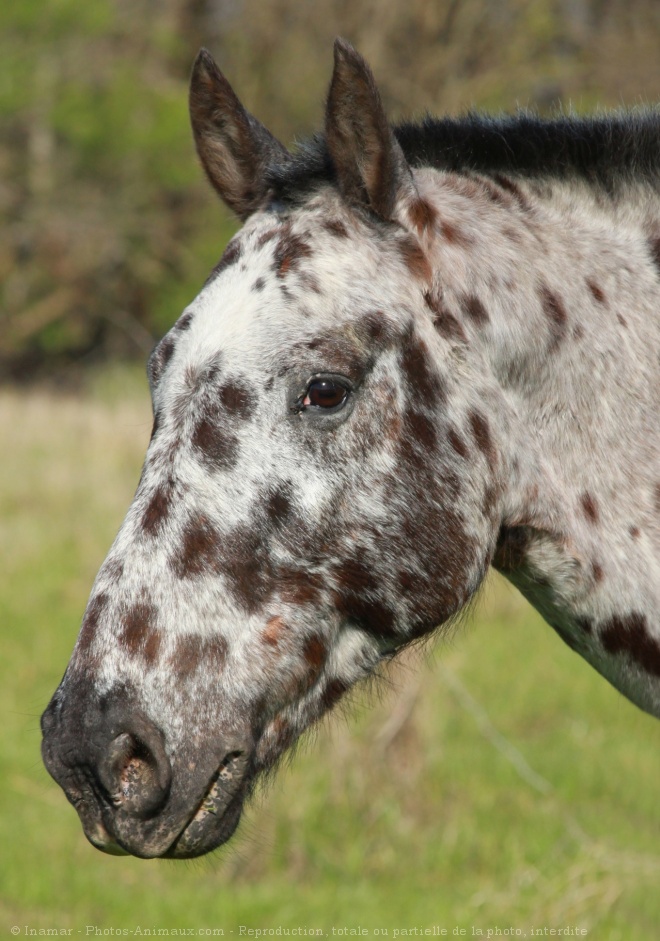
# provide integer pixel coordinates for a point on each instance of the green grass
(498, 783)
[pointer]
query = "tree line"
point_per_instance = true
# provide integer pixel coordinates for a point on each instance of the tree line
(108, 228)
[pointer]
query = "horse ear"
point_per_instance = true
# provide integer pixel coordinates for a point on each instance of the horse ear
(370, 165)
(235, 149)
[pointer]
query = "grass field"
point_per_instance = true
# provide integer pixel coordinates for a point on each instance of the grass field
(498, 784)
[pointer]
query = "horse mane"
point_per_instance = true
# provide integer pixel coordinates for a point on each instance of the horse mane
(606, 151)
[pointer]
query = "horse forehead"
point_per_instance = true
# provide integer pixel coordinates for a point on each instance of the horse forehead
(302, 291)
(279, 275)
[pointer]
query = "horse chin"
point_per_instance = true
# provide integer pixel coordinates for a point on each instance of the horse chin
(99, 837)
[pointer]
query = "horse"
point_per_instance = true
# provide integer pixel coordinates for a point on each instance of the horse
(431, 349)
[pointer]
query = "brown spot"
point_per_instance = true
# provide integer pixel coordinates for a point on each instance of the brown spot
(419, 439)
(212, 369)
(276, 628)
(463, 185)
(95, 609)
(356, 597)
(113, 569)
(512, 547)
(299, 587)
(445, 323)
(236, 399)
(160, 358)
(269, 235)
(415, 260)
(635, 532)
(231, 255)
(412, 584)
(507, 184)
(457, 443)
(183, 323)
(445, 551)
(171, 452)
(427, 386)
(217, 447)
(629, 634)
(422, 215)
(194, 652)
(138, 633)
(596, 292)
(450, 485)
(278, 725)
(333, 693)
(555, 311)
(590, 507)
(346, 357)
(310, 282)
(389, 427)
(490, 501)
(191, 378)
(429, 533)
(622, 321)
(289, 252)
(654, 248)
(282, 734)
(512, 234)
(597, 571)
(200, 549)
(481, 431)
(578, 332)
(158, 508)
(314, 652)
(335, 227)
(278, 505)
(475, 310)
(454, 235)
(247, 568)
(495, 193)
(375, 327)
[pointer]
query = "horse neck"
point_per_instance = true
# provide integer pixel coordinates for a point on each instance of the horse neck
(557, 288)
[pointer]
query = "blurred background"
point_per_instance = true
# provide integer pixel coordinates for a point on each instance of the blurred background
(499, 784)
(108, 228)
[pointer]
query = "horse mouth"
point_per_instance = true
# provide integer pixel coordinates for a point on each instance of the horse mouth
(211, 824)
(218, 813)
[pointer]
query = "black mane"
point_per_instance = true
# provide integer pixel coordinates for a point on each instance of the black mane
(605, 151)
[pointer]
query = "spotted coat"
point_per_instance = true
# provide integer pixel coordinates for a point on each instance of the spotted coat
(492, 332)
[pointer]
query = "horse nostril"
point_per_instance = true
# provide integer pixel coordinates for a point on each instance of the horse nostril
(136, 774)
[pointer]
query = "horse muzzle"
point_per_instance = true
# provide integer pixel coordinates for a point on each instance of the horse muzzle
(132, 796)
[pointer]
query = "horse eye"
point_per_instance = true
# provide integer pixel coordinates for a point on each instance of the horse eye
(325, 393)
